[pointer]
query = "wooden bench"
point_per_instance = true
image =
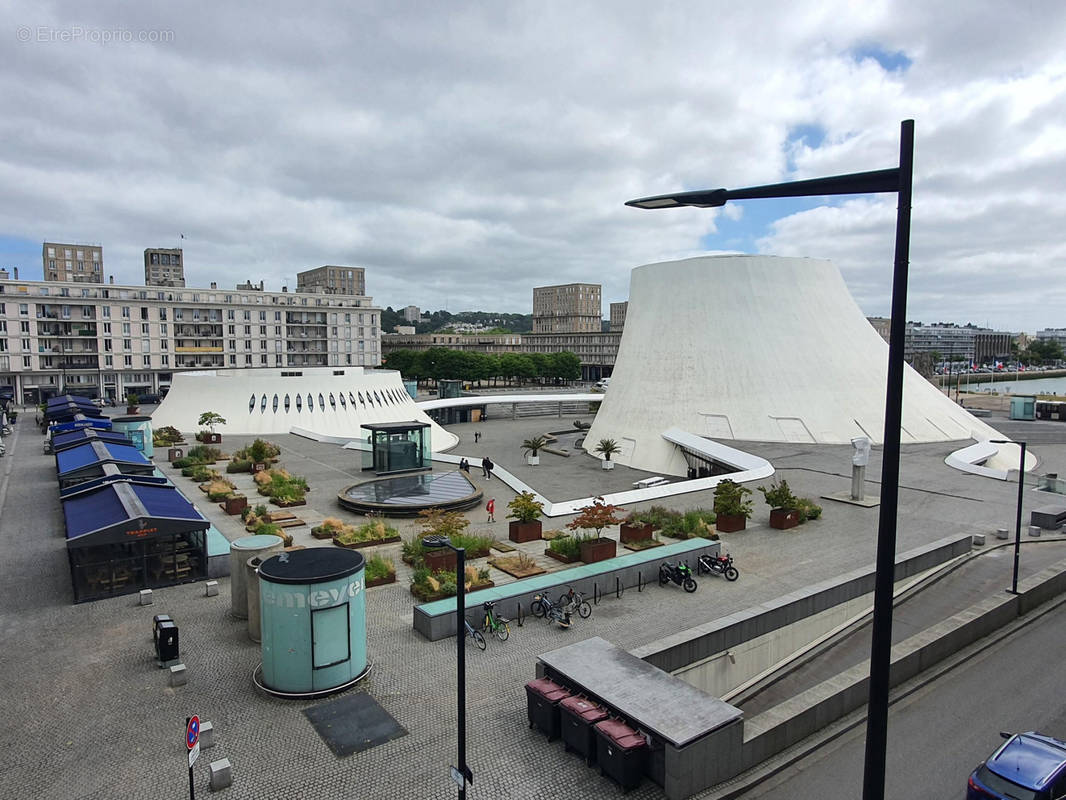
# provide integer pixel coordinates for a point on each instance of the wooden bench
(1048, 517)
(647, 483)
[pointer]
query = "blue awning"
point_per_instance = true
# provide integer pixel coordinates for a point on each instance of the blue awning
(79, 422)
(64, 441)
(95, 452)
(123, 512)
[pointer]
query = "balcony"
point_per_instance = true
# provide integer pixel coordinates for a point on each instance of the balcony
(199, 349)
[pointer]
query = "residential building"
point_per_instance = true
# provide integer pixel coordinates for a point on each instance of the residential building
(597, 350)
(882, 325)
(76, 263)
(496, 343)
(104, 341)
(164, 267)
(332, 280)
(618, 316)
(412, 314)
(1053, 335)
(569, 308)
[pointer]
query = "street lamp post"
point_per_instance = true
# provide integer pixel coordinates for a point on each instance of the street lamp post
(898, 180)
(1018, 519)
(464, 774)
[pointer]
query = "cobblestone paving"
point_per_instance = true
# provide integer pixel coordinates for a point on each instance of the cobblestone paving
(90, 716)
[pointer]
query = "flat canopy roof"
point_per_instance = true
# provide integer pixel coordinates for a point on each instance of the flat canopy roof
(395, 427)
(69, 439)
(123, 512)
(81, 421)
(111, 473)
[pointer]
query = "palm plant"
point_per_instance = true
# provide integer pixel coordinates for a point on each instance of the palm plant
(535, 443)
(607, 448)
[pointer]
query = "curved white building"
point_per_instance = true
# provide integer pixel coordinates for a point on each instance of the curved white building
(756, 348)
(325, 401)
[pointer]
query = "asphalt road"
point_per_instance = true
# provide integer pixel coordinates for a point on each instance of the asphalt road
(940, 733)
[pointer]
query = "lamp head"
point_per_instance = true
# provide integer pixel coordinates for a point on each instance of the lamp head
(705, 198)
(435, 541)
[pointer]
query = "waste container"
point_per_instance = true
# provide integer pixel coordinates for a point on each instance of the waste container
(622, 753)
(577, 718)
(156, 620)
(543, 696)
(166, 646)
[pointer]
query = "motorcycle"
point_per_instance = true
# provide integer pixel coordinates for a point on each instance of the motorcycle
(679, 573)
(723, 565)
(542, 606)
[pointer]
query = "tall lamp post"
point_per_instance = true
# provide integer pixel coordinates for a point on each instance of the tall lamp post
(1018, 521)
(461, 774)
(898, 180)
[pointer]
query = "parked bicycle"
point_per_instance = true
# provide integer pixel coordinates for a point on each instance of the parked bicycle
(542, 606)
(679, 573)
(722, 565)
(494, 624)
(479, 640)
(575, 602)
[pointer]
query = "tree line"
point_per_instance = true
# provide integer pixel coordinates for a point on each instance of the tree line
(441, 363)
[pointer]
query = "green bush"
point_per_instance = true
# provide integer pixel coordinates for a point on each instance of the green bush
(807, 509)
(779, 495)
(566, 546)
(658, 516)
(690, 524)
(379, 567)
(182, 463)
(475, 545)
(238, 465)
(199, 473)
(411, 550)
(268, 529)
(205, 454)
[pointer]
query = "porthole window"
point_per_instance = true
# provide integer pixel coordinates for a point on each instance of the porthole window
(263, 404)
(332, 401)
(310, 402)
(361, 401)
(286, 404)
(251, 404)
(299, 404)
(340, 396)
(377, 399)
(275, 404)
(351, 398)
(321, 401)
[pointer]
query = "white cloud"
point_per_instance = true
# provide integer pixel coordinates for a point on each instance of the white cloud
(466, 152)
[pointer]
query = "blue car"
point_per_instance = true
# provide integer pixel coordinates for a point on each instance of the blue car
(1028, 766)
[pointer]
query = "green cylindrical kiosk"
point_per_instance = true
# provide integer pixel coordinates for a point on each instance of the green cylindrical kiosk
(313, 621)
(139, 429)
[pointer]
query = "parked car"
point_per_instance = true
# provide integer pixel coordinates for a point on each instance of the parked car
(148, 399)
(1028, 766)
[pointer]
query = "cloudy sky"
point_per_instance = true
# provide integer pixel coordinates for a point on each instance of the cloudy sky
(464, 153)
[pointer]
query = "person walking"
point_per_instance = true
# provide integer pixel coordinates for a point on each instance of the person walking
(477, 436)
(464, 465)
(485, 467)
(491, 508)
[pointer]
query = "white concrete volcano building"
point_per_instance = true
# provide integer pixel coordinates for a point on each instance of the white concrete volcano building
(756, 348)
(326, 402)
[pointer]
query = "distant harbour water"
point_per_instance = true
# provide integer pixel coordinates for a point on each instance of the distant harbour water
(1009, 384)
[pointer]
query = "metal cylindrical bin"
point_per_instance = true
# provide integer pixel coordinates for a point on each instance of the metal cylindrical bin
(240, 550)
(251, 578)
(313, 620)
(139, 429)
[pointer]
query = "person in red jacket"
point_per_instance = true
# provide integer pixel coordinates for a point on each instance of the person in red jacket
(491, 508)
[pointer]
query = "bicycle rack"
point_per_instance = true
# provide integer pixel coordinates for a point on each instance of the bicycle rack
(595, 594)
(640, 581)
(619, 587)
(521, 615)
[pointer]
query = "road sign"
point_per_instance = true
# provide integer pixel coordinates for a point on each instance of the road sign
(457, 776)
(194, 754)
(192, 732)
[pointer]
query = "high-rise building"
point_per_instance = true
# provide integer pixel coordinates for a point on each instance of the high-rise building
(412, 314)
(78, 263)
(618, 315)
(332, 280)
(570, 308)
(164, 267)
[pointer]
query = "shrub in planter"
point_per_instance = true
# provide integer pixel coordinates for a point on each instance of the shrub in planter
(217, 491)
(526, 512)
(200, 473)
(783, 505)
(634, 528)
(379, 570)
(731, 506)
(239, 465)
(329, 528)
(807, 509)
(270, 529)
(696, 522)
(168, 434)
(204, 454)
(566, 546)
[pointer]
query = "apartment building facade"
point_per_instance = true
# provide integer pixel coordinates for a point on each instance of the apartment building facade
(568, 308)
(108, 340)
(74, 263)
(332, 279)
(164, 267)
(618, 316)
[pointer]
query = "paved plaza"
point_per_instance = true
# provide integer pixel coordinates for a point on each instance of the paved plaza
(91, 716)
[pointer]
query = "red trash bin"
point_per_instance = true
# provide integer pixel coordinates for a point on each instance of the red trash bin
(577, 716)
(621, 752)
(542, 705)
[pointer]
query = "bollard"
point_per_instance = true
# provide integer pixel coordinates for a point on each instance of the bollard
(178, 676)
(1034, 530)
(207, 735)
(146, 597)
(1002, 533)
(221, 774)
(978, 539)
(211, 589)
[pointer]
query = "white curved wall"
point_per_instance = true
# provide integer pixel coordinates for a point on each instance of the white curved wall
(339, 403)
(756, 348)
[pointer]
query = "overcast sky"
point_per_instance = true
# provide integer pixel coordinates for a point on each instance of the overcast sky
(464, 153)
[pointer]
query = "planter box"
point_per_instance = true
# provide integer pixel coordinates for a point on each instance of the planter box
(784, 518)
(728, 523)
(287, 503)
(318, 534)
(606, 464)
(598, 550)
(560, 557)
(175, 453)
(442, 558)
(533, 460)
(524, 531)
(647, 544)
(370, 584)
(358, 545)
(634, 533)
(234, 505)
(259, 466)
(209, 438)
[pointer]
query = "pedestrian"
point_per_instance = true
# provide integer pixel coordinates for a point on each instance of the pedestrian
(485, 467)
(464, 465)
(477, 436)
(491, 508)
(489, 465)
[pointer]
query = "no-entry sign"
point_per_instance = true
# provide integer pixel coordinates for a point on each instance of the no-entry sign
(192, 732)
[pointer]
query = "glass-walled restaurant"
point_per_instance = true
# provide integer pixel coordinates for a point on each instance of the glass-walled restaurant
(397, 447)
